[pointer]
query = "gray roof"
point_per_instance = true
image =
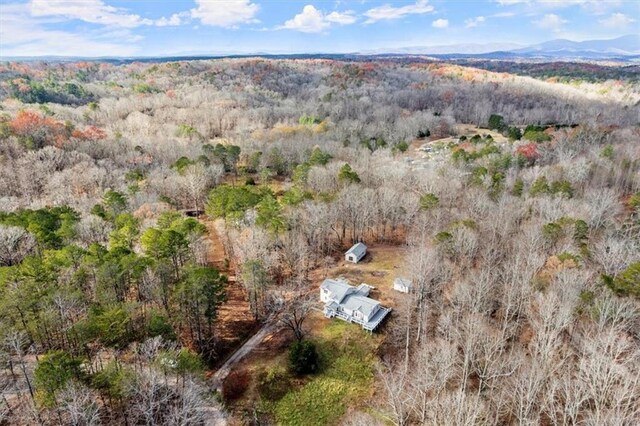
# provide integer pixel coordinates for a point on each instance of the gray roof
(338, 288)
(363, 304)
(363, 289)
(403, 282)
(358, 249)
(332, 305)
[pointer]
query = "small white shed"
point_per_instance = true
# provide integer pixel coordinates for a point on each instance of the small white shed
(402, 285)
(355, 253)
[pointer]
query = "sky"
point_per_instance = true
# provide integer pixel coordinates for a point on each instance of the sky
(94, 28)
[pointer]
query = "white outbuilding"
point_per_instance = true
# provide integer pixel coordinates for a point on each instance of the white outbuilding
(402, 285)
(355, 253)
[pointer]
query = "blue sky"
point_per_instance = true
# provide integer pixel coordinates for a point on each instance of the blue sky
(166, 27)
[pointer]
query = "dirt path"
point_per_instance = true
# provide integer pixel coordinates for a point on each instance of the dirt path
(217, 379)
(235, 321)
(237, 328)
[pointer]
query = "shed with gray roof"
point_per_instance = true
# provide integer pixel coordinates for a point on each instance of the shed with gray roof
(355, 253)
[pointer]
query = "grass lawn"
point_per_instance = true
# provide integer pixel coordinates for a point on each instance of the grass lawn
(347, 355)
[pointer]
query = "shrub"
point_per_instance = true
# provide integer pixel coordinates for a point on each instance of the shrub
(181, 164)
(113, 380)
(319, 157)
(53, 371)
(478, 174)
(307, 120)
(562, 187)
(347, 174)
(135, 175)
(235, 385)
(587, 299)
(580, 231)
(529, 152)
(634, 201)
(183, 362)
(373, 144)
(429, 201)
(607, 152)
(518, 187)
(552, 232)
(424, 133)
(566, 256)
(159, 326)
(295, 196)
(496, 122)
(536, 136)
(627, 283)
(144, 88)
(186, 131)
(444, 237)
(114, 203)
(303, 357)
(540, 186)
(111, 326)
(514, 133)
(402, 146)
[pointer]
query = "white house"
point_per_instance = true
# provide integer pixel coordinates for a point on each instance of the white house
(351, 303)
(402, 285)
(355, 253)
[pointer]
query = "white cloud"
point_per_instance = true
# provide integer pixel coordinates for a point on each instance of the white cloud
(342, 18)
(596, 7)
(174, 20)
(550, 21)
(387, 11)
(226, 14)
(617, 20)
(474, 22)
(23, 35)
(440, 23)
(592, 5)
(93, 11)
(96, 12)
(312, 20)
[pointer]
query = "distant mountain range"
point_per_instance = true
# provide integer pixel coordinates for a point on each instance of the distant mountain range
(462, 49)
(628, 45)
(625, 48)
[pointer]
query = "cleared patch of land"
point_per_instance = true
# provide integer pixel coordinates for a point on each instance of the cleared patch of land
(347, 354)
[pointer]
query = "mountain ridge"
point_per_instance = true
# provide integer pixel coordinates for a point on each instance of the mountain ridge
(626, 47)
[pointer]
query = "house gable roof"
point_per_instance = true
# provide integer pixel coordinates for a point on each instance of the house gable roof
(352, 298)
(402, 282)
(358, 249)
(337, 288)
(364, 304)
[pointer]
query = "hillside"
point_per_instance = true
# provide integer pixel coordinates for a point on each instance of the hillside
(155, 215)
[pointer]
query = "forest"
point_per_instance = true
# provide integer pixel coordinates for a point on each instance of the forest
(155, 216)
